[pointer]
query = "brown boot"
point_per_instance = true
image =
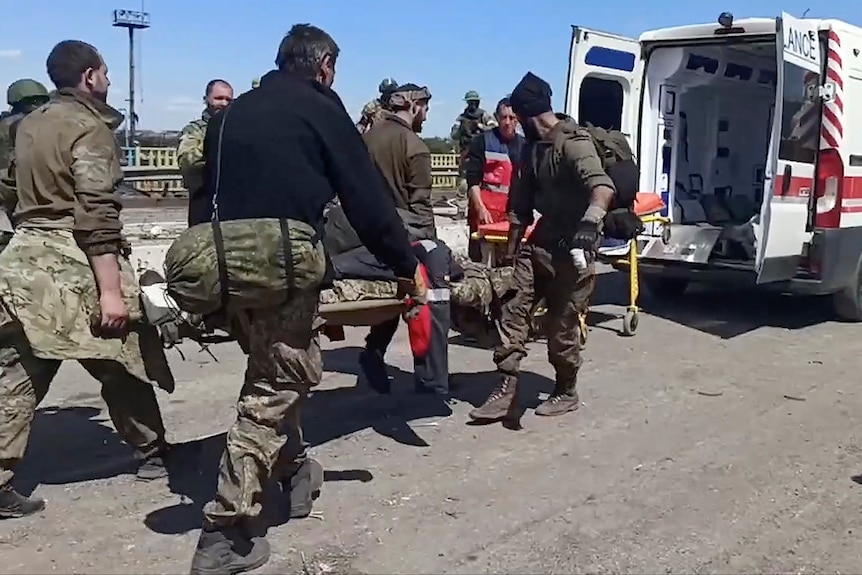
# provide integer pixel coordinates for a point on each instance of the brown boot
(562, 400)
(500, 401)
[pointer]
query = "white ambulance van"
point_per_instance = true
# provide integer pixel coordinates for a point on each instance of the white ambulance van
(751, 132)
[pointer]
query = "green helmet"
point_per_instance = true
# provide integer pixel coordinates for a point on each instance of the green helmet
(255, 83)
(386, 85)
(23, 89)
(472, 96)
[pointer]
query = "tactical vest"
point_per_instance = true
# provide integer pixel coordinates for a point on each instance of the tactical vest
(469, 128)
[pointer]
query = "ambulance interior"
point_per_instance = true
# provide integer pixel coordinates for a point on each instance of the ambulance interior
(706, 123)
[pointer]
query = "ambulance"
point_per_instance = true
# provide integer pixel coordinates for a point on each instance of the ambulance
(748, 131)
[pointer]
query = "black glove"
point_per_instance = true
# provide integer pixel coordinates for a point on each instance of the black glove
(587, 238)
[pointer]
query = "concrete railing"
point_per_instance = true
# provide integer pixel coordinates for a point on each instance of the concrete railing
(154, 171)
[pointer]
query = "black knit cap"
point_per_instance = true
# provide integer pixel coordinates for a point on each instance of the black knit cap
(531, 97)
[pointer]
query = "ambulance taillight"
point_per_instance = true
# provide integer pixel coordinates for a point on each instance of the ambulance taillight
(828, 189)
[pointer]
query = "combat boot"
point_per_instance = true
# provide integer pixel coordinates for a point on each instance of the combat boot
(499, 403)
(303, 488)
(13, 504)
(562, 400)
(228, 550)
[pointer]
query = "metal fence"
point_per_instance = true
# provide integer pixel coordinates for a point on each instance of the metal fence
(154, 171)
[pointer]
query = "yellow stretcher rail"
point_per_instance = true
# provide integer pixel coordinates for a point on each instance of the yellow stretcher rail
(629, 262)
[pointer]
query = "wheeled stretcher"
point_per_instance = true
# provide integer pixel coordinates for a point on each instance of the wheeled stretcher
(647, 207)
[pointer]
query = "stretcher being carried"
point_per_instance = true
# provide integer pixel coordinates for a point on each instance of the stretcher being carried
(621, 255)
(353, 302)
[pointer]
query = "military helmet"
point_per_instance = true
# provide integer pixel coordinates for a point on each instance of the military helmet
(255, 83)
(23, 89)
(472, 96)
(386, 85)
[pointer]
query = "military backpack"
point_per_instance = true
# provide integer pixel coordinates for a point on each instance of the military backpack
(620, 164)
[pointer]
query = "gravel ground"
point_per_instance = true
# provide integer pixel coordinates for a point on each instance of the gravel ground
(723, 437)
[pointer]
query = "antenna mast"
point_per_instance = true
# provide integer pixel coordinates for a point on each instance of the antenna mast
(131, 21)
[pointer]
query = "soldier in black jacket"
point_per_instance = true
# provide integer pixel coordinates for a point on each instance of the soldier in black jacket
(285, 150)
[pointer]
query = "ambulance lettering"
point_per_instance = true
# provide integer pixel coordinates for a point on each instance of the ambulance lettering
(803, 44)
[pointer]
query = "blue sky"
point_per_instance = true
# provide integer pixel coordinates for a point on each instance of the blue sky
(450, 46)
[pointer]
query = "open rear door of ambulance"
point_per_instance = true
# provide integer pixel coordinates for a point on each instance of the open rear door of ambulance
(605, 79)
(789, 174)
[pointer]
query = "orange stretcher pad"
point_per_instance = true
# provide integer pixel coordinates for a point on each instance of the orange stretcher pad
(646, 203)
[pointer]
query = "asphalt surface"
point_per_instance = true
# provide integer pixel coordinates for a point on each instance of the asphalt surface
(722, 437)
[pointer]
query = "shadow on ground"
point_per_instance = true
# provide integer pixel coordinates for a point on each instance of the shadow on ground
(725, 312)
(329, 415)
(71, 445)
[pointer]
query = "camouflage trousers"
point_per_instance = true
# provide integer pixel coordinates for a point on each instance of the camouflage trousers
(24, 382)
(284, 362)
(566, 292)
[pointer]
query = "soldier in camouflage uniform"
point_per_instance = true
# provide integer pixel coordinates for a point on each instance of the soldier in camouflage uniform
(563, 179)
(67, 290)
(471, 122)
(374, 110)
(23, 96)
(190, 150)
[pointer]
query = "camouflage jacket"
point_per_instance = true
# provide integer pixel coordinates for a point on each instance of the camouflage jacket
(68, 167)
(190, 153)
(7, 146)
(372, 112)
(466, 126)
(46, 283)
(7, 169)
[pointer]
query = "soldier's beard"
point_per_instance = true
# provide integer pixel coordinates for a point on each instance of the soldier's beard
(530, 132)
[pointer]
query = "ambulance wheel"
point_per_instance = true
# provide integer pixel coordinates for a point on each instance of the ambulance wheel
(847, 303)
(630, 323)
(664, 288)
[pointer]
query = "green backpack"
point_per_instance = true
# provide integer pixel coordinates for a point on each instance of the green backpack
(613, 148)
(621, 166)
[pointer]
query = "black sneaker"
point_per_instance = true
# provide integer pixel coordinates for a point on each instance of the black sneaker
(374, 369)
(13, 504)
(227, 551)
(153, 467)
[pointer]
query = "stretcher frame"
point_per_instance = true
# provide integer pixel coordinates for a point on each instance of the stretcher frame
(629, 263)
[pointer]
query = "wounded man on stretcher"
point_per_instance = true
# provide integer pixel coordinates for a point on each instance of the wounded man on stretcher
(360, 291)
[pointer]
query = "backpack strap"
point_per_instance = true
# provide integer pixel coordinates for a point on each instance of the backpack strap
(611, 145)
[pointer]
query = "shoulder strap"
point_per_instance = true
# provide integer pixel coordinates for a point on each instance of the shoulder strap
(218, 239)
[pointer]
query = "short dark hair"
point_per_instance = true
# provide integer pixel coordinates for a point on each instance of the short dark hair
(211, 84)
(303, 49)
(505, 102)
(68, 60)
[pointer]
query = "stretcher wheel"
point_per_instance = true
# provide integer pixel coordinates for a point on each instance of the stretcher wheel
(630, 322)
